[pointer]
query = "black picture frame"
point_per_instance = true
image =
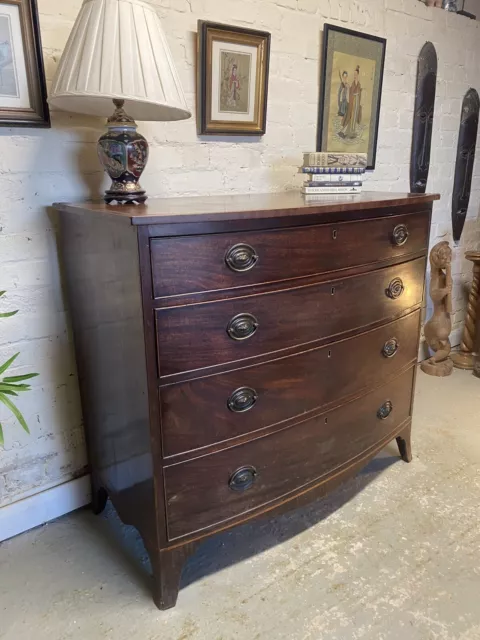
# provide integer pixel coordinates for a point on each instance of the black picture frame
(207, 32)
(323, 112)
(37, 114)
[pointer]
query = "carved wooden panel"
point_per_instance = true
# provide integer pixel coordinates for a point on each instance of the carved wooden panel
(423, 118)
(467, 139)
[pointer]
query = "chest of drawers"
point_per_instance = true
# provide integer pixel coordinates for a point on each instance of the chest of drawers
(240, 355)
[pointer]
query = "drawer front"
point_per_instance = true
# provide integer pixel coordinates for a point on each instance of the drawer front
(202, 412)
(208, 490)
(204, 335)
(227, 260)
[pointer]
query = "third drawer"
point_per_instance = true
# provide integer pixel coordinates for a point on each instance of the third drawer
(214, 488)
(217, 408)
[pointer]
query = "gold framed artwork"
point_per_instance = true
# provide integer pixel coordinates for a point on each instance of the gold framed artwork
(350, 92)
(23, 96)
(232, 79)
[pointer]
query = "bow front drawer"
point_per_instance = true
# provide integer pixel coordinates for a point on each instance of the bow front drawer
(214, 488)
(192, 264)
(240, 402)
(195, 336)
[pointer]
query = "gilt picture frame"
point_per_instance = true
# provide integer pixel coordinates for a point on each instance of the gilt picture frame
(232, 79)
(23, 94)
(350, 92)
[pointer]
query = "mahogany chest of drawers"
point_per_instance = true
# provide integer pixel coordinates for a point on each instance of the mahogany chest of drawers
(240, 355)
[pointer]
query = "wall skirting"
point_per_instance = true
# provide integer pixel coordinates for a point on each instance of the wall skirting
(31, 512)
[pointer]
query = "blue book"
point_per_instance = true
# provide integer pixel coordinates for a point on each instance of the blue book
(326, 183)
(355, 170)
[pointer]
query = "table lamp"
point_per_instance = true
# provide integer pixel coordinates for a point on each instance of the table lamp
(117, 59)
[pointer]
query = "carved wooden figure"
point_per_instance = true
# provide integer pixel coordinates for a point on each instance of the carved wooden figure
(463, 359)
(437, 329)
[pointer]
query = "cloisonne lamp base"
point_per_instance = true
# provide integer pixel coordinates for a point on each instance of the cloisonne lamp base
(123, 153)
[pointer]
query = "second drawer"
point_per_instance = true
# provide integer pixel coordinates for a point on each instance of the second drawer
(204, 335)
(217, 408)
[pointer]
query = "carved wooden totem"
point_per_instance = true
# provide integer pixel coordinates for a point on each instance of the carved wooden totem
(437, 329)
(467, 140)
(463, 359)
(423, 118)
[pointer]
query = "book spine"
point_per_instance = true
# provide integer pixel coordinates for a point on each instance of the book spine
(342, 178)
(326, 190)
(333, 170)
(315, 185)
(327, 159)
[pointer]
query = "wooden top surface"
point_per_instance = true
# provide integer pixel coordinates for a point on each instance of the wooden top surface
(235, 207)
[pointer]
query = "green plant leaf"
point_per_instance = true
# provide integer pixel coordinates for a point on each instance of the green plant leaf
(6, 364)
(10, 386)
(8, 314)
(2, 293)
(16, 412)
(26, 376)
(8, 392)
(2, 441)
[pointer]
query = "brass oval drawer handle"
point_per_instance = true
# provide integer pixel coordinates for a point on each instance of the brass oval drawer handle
(242, 399)
(400, 235)
(390, 348)
(243, 478)
(395, 288)
(242, 326)
(385, 410)
(241, 257)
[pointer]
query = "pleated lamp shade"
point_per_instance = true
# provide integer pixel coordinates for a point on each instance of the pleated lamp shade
(118, 50)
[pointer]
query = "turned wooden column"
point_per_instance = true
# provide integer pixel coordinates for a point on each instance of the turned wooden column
(463, 359)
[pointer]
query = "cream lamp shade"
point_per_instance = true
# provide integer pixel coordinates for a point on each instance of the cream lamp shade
(118, 51)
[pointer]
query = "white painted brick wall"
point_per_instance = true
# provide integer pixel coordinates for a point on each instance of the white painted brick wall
(38, 167)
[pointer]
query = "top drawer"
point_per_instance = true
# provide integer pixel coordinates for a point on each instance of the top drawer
(192, 264)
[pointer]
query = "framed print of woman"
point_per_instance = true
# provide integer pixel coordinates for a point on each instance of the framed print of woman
(350, 92)
(353, 116)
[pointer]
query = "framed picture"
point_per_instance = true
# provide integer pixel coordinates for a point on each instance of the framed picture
(232, 79)
(350, 92)
(23, 94)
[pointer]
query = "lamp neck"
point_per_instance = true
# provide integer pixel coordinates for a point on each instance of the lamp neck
(119, 118)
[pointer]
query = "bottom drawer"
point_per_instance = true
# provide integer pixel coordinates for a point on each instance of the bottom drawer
(217, 487)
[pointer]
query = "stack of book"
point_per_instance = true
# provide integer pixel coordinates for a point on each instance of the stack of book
(333, 173)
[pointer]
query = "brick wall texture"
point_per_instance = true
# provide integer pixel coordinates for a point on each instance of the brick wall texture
(38, 167)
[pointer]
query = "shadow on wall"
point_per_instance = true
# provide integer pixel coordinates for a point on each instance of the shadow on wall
(65, 167)
(230, 547)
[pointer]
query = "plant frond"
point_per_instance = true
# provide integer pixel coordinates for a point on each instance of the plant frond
(26, 376)
(6, 364)
(16, 412)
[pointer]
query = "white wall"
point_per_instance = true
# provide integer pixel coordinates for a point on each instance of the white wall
(38, 167)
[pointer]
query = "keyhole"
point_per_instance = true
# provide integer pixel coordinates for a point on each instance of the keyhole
(326, 420)
(333, 291)
(334, 234)
(329, 353)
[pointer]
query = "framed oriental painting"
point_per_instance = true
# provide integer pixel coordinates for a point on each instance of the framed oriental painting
(232, 79)
(350, 92)
(22, 79)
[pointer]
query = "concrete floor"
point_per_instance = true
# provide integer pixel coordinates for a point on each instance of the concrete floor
(394, 554)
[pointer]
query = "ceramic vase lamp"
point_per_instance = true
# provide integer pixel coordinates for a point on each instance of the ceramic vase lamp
(117, 59)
